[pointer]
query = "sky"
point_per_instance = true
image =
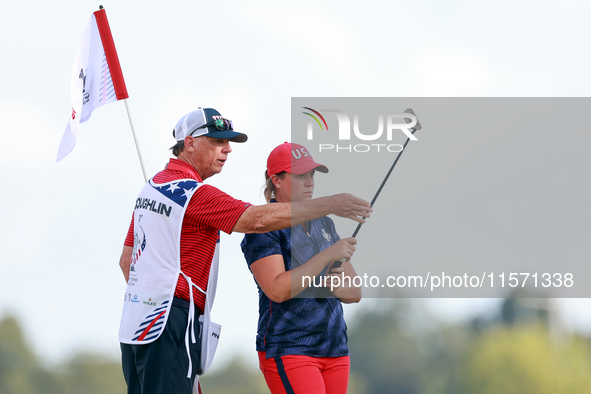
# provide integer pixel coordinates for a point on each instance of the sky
(64, 224)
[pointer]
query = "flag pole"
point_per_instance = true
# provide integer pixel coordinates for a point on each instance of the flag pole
(137, 147)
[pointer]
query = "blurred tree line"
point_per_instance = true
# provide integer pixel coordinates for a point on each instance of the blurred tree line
(396, 347)
(22, 373)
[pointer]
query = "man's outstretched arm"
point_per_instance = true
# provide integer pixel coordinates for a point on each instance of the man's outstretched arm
(278, 216)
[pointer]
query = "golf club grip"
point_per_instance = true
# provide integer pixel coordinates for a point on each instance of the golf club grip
(336, 264)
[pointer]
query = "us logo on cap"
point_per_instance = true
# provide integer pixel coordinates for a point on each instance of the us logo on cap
(299, 153)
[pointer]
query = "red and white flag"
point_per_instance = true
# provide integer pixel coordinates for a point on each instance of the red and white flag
(96, 78)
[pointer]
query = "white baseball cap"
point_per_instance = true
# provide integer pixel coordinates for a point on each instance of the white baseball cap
(208, 122)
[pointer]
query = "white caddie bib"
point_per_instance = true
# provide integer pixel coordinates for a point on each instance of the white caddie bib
(155, 264)
(155, 269)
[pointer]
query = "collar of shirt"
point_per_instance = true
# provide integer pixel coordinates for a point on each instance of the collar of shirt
(183, 166)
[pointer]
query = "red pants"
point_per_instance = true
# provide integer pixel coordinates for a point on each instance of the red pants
(305, 374)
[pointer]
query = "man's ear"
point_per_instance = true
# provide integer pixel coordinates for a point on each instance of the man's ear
(190, 143)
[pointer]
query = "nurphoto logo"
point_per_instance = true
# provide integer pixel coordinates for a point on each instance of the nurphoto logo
(387, 126)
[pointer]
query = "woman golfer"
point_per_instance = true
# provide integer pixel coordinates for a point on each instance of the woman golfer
(301, 342)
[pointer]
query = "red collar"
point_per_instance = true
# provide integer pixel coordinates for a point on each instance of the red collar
(183, 166)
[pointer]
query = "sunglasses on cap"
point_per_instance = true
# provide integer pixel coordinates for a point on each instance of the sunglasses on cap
(221, 124)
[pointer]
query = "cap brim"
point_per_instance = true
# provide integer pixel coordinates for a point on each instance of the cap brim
(228, 135)
(305, 167)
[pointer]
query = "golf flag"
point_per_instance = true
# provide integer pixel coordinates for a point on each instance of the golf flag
(96, 78)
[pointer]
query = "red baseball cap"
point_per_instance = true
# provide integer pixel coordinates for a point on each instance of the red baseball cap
(292, 158)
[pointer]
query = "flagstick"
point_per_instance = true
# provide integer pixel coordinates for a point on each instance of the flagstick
(137, 147)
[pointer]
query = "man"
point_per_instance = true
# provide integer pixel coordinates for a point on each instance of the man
(170, 255)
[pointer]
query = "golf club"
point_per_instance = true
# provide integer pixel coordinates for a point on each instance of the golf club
(418, 126)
